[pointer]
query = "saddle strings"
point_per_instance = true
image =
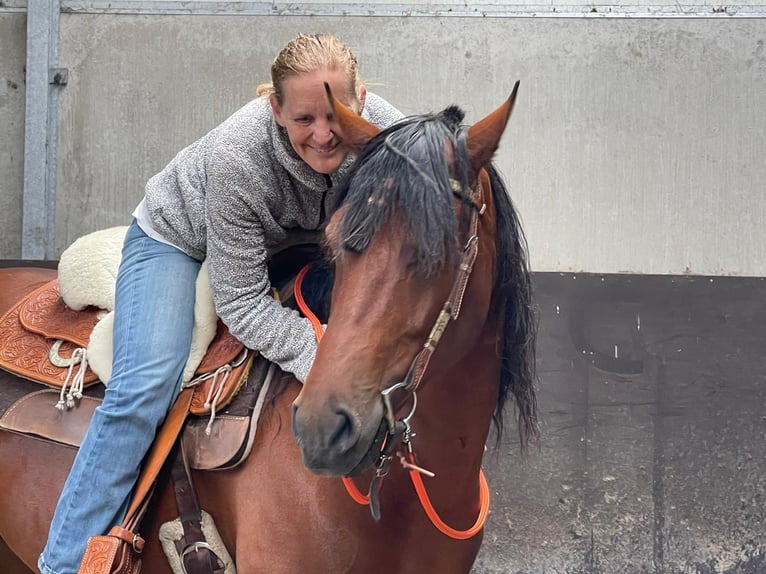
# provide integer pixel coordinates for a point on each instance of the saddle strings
(75, 381)
(219, 377)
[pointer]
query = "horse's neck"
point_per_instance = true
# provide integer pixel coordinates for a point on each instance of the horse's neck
(455, 410)
(458, 399)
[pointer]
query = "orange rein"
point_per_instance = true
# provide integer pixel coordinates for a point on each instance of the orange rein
(417, 480)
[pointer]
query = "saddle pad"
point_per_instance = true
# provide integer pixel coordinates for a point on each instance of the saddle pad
(26, 353)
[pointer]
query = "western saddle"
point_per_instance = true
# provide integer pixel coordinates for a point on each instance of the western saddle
(42, 341)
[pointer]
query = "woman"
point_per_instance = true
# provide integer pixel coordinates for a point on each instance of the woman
(269, 168)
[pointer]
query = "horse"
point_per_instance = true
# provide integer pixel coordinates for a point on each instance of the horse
(431, 330)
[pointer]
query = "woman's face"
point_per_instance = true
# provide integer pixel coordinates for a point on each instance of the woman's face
(307, 116)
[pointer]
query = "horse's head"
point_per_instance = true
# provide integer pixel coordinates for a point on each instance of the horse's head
(407, 213)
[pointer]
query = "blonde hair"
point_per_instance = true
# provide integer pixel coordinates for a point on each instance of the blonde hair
(310, 53)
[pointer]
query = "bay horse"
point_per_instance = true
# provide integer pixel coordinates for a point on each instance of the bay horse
(425, 241)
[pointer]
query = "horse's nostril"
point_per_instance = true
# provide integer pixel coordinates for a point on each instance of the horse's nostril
(346, 432)
(337, 431)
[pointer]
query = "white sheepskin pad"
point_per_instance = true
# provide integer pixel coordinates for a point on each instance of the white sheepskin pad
(87, 275)
(88, 269)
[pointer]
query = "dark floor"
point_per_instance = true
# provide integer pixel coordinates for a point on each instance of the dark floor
(653, 458)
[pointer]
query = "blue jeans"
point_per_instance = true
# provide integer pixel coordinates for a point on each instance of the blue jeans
(154, 317)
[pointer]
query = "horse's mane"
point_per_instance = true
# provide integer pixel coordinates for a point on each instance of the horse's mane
(404, 170)
(513, 297)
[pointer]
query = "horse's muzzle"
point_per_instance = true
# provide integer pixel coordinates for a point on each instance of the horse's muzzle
(337, 441)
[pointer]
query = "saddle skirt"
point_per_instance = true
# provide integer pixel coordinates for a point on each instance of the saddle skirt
(40, 326)
(213, 443)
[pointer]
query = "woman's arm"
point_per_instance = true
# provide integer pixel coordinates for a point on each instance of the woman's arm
(236, 255)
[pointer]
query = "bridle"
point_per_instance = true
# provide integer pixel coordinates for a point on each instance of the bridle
(399, 431)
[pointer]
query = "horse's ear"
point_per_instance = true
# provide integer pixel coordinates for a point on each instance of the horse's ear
(355, 130)
(484, 136)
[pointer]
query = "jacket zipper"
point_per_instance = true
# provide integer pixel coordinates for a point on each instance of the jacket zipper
(322, 210)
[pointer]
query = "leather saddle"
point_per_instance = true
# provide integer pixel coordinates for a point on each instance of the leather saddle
(212, 443)
(40, 323)
(40, 338)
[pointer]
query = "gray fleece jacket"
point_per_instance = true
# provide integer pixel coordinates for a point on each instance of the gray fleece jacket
(233, 194)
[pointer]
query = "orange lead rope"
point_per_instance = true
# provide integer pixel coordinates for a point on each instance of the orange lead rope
(353, 491)
(430, 511)
(308, 313)
(417, 480)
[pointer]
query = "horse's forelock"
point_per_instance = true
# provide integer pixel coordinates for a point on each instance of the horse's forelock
(404, 169)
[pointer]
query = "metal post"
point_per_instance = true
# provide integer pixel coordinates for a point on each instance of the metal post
(43, 80)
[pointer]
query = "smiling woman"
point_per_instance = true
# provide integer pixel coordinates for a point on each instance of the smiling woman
(309, 121)
(268, 170)
(297, 97)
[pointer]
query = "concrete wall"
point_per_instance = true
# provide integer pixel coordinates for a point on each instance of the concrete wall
(12, 94)
(636, 145)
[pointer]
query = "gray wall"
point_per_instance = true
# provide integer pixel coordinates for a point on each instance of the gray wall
(636, 145)
(12, 93)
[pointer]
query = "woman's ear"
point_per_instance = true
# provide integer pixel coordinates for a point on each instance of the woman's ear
(362, 98)
(276, 110)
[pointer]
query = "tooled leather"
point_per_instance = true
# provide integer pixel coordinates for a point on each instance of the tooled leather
(109, 555)
(25, 353)
(223, 349)
(30, 328)
(45, 312)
